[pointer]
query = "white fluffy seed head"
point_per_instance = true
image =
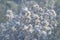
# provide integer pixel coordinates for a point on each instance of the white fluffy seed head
(44, 32)
(25, 27)
(14, 29)
(36, 6)
(30, 28)
(9, 11)
(10, 14)
(47, 28)
(25, 9)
